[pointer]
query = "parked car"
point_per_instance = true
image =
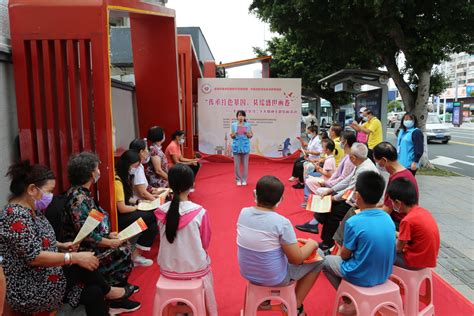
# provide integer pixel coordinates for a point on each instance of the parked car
(394, 118)
(435, 130)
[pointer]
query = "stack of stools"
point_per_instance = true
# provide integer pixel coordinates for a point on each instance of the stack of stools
(169, 293)
(256, 295)
(369, 300)
(410, 282)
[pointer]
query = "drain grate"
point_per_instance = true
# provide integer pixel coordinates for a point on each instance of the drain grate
(457, 264)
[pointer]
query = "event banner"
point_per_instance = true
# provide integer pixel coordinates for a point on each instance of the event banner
(273, 108)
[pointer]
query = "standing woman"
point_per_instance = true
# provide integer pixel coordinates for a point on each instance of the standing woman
(410, 143)
(241, 132)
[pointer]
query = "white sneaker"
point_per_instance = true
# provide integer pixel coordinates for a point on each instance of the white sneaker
(347, 309)
(244, 182)
(239, 183)
(292, 179)
(142, 261)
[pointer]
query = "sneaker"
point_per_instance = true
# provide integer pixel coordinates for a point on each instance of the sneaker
(347, 309)
(123, 306)
(292, 179)
(142, 261)
(239, 183)
(307, 227)
(134, 288)
(244, 182)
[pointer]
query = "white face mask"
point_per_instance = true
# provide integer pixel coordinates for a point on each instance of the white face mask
(381, 169)
(147, 159)
(132, 171)
(97, 177)
(181, 141)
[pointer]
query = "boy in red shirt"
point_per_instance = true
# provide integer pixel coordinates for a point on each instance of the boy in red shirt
(418, 241)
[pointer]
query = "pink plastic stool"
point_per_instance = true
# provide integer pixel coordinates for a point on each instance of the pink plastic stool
(410, 283)
(256, 295)
(190, 292)
(369, 300)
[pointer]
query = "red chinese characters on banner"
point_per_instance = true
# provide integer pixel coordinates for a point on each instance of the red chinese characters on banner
(226, 102)
(243, 102)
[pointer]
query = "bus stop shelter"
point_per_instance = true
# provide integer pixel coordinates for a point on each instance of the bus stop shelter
(351, 80)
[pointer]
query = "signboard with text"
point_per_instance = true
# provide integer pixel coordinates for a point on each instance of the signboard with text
(273, 108)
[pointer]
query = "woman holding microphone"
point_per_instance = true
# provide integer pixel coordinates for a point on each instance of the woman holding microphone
(241, 132)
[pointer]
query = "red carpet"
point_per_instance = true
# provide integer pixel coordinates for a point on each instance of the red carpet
(217, 192)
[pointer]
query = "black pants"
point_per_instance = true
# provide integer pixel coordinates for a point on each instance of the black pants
(331, 220)
(94, 291)
(146, 238)
(298, 169)
(195, 168)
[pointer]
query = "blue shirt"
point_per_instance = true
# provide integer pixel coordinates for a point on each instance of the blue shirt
(241, 143)
(260, 235)
(370, 235)
(410, 146)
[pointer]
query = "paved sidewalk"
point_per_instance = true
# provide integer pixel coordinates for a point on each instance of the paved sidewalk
(451, 201)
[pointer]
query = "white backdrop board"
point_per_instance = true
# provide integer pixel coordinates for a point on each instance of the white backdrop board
(273, 107)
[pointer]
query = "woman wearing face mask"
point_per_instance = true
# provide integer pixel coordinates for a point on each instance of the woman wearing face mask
(141, 188)
(410, 143)
(128, 211)
(157, 169)
(174, 155)
(241, 132)
(115, 263)
(32, 258)
(311, 151)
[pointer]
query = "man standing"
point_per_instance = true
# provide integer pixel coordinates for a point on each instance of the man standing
(373, 128)
(311, 119)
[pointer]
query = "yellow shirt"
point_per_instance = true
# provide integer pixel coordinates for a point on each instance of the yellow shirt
(119, 193)
(376, 137)
(340, 151)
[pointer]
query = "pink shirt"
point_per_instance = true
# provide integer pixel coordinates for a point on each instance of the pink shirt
(172, 149)
(329, 165)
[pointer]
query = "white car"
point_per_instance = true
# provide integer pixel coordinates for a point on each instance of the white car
(435, 130)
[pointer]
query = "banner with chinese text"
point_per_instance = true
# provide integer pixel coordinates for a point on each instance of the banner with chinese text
(273, 108)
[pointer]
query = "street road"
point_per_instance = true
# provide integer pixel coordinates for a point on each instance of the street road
(456, 156)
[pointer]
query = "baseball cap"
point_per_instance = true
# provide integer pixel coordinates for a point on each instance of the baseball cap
(362, 109)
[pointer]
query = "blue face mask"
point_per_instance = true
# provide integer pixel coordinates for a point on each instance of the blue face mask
(409, 124)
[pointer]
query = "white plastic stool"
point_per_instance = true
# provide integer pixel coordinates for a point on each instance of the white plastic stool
(256, 295)
(190, 292)
(368, 300)
(410, 282)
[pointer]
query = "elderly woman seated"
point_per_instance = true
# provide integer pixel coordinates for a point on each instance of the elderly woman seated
(115, 255)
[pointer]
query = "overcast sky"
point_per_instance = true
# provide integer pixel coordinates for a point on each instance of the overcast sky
(230, 30)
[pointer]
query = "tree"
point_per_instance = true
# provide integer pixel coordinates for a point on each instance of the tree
(423, 32)
(394, 105)
(290, 60)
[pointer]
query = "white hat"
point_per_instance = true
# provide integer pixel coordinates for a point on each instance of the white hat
(362, 109)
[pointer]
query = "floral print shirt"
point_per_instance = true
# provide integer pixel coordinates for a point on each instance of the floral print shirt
(115, 264)
(24, 233)
(154, 179)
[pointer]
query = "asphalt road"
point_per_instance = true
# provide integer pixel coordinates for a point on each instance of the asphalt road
(456, 156)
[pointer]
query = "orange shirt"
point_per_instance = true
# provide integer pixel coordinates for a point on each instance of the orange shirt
(173, 149)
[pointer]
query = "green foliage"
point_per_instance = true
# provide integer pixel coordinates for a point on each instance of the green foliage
(394, 106)
(290, 60)
(369, 34)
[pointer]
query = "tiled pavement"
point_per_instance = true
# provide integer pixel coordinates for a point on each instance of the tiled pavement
(451, 201)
